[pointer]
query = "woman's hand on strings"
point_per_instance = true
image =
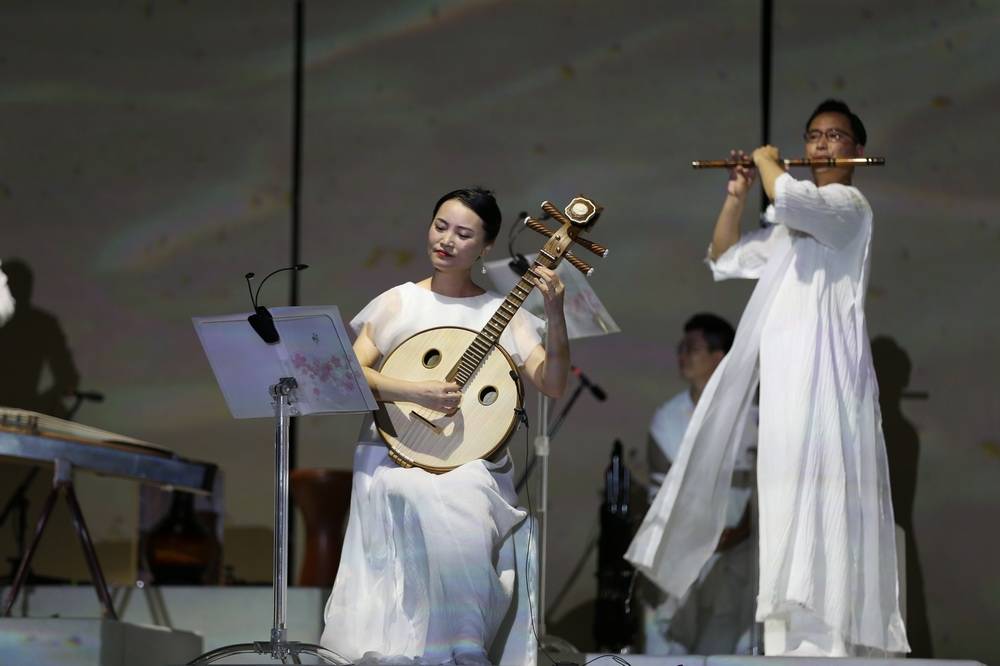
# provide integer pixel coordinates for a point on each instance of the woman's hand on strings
(740, 178)
(439, 396)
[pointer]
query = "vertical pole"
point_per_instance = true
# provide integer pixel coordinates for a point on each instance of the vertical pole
(542, 444)
(281, 392)
(766, 49)
(296, 184)
(542, 454)
(296, 197)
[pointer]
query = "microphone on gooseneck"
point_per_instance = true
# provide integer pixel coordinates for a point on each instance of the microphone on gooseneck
(261, 320)
(595, 390)
(518, 262)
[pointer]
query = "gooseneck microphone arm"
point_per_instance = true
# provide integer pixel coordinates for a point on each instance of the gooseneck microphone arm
(296, 267)
(248, 277)
(261, 320)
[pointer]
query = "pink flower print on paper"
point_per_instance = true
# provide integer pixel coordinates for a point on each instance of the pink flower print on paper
(329, 374)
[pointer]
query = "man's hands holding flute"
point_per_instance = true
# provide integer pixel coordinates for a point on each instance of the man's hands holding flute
(768, 162)
(740, 178)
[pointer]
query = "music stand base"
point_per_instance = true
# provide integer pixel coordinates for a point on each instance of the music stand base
(276, 650)
(278, 647)
(551, 643)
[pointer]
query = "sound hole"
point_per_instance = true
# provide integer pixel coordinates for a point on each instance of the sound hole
(488, 395)
(432, 358)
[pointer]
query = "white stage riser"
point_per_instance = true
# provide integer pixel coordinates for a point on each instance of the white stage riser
(92, 642)
(222, 615)
(731, 660)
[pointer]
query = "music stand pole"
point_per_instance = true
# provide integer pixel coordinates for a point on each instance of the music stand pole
(278, 647)
(282, 392)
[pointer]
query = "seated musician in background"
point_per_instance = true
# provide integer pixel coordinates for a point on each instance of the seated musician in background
(828, 579)
(718, 611)
(419, 572)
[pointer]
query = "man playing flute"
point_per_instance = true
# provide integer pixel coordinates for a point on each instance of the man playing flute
(828, 580)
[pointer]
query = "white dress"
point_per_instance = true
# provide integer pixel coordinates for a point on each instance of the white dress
(420, 579)
(827, 554)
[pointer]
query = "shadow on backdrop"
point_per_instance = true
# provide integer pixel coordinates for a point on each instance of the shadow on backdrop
(32, 342)
(902, 443)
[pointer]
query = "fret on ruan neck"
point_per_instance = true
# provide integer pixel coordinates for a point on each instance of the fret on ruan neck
(490, 335)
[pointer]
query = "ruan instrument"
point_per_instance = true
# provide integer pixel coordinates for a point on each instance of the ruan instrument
(492, 393)
(797, 162)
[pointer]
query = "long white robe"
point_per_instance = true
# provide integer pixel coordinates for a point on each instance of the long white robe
(826, 524)
(421, 577)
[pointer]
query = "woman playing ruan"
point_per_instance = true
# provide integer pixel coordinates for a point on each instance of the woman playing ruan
(423, 573)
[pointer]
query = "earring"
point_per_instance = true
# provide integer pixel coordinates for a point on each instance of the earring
(484, 268)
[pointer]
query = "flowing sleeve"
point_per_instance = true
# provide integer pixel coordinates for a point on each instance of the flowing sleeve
(6, 300)
(832, 214)
(746, 258)
(525, 334)
(382, 317)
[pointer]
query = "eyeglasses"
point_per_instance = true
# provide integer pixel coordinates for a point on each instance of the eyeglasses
(832, 135)
(684, 347)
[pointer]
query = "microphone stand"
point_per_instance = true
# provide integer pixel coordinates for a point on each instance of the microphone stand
(596, 322)
(542, 447)
(553, 429)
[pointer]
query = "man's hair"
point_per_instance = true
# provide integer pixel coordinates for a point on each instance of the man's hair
(481, 202)
(718, 332)
(837, 106)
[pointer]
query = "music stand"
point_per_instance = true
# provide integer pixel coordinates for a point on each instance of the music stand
(312, 369)
(586, 317)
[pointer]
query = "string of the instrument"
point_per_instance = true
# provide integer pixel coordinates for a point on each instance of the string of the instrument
(795, 162)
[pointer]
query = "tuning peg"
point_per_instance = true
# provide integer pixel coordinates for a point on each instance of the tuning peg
(535, 225)
(587, 244)
(579, 264)
(598, 249)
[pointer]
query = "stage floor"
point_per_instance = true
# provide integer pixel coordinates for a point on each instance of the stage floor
(226, 615)
(736, 660)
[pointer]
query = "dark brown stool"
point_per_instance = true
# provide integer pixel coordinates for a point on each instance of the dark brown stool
(324, 497)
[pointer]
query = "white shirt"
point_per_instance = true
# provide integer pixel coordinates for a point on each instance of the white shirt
(667, 428)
